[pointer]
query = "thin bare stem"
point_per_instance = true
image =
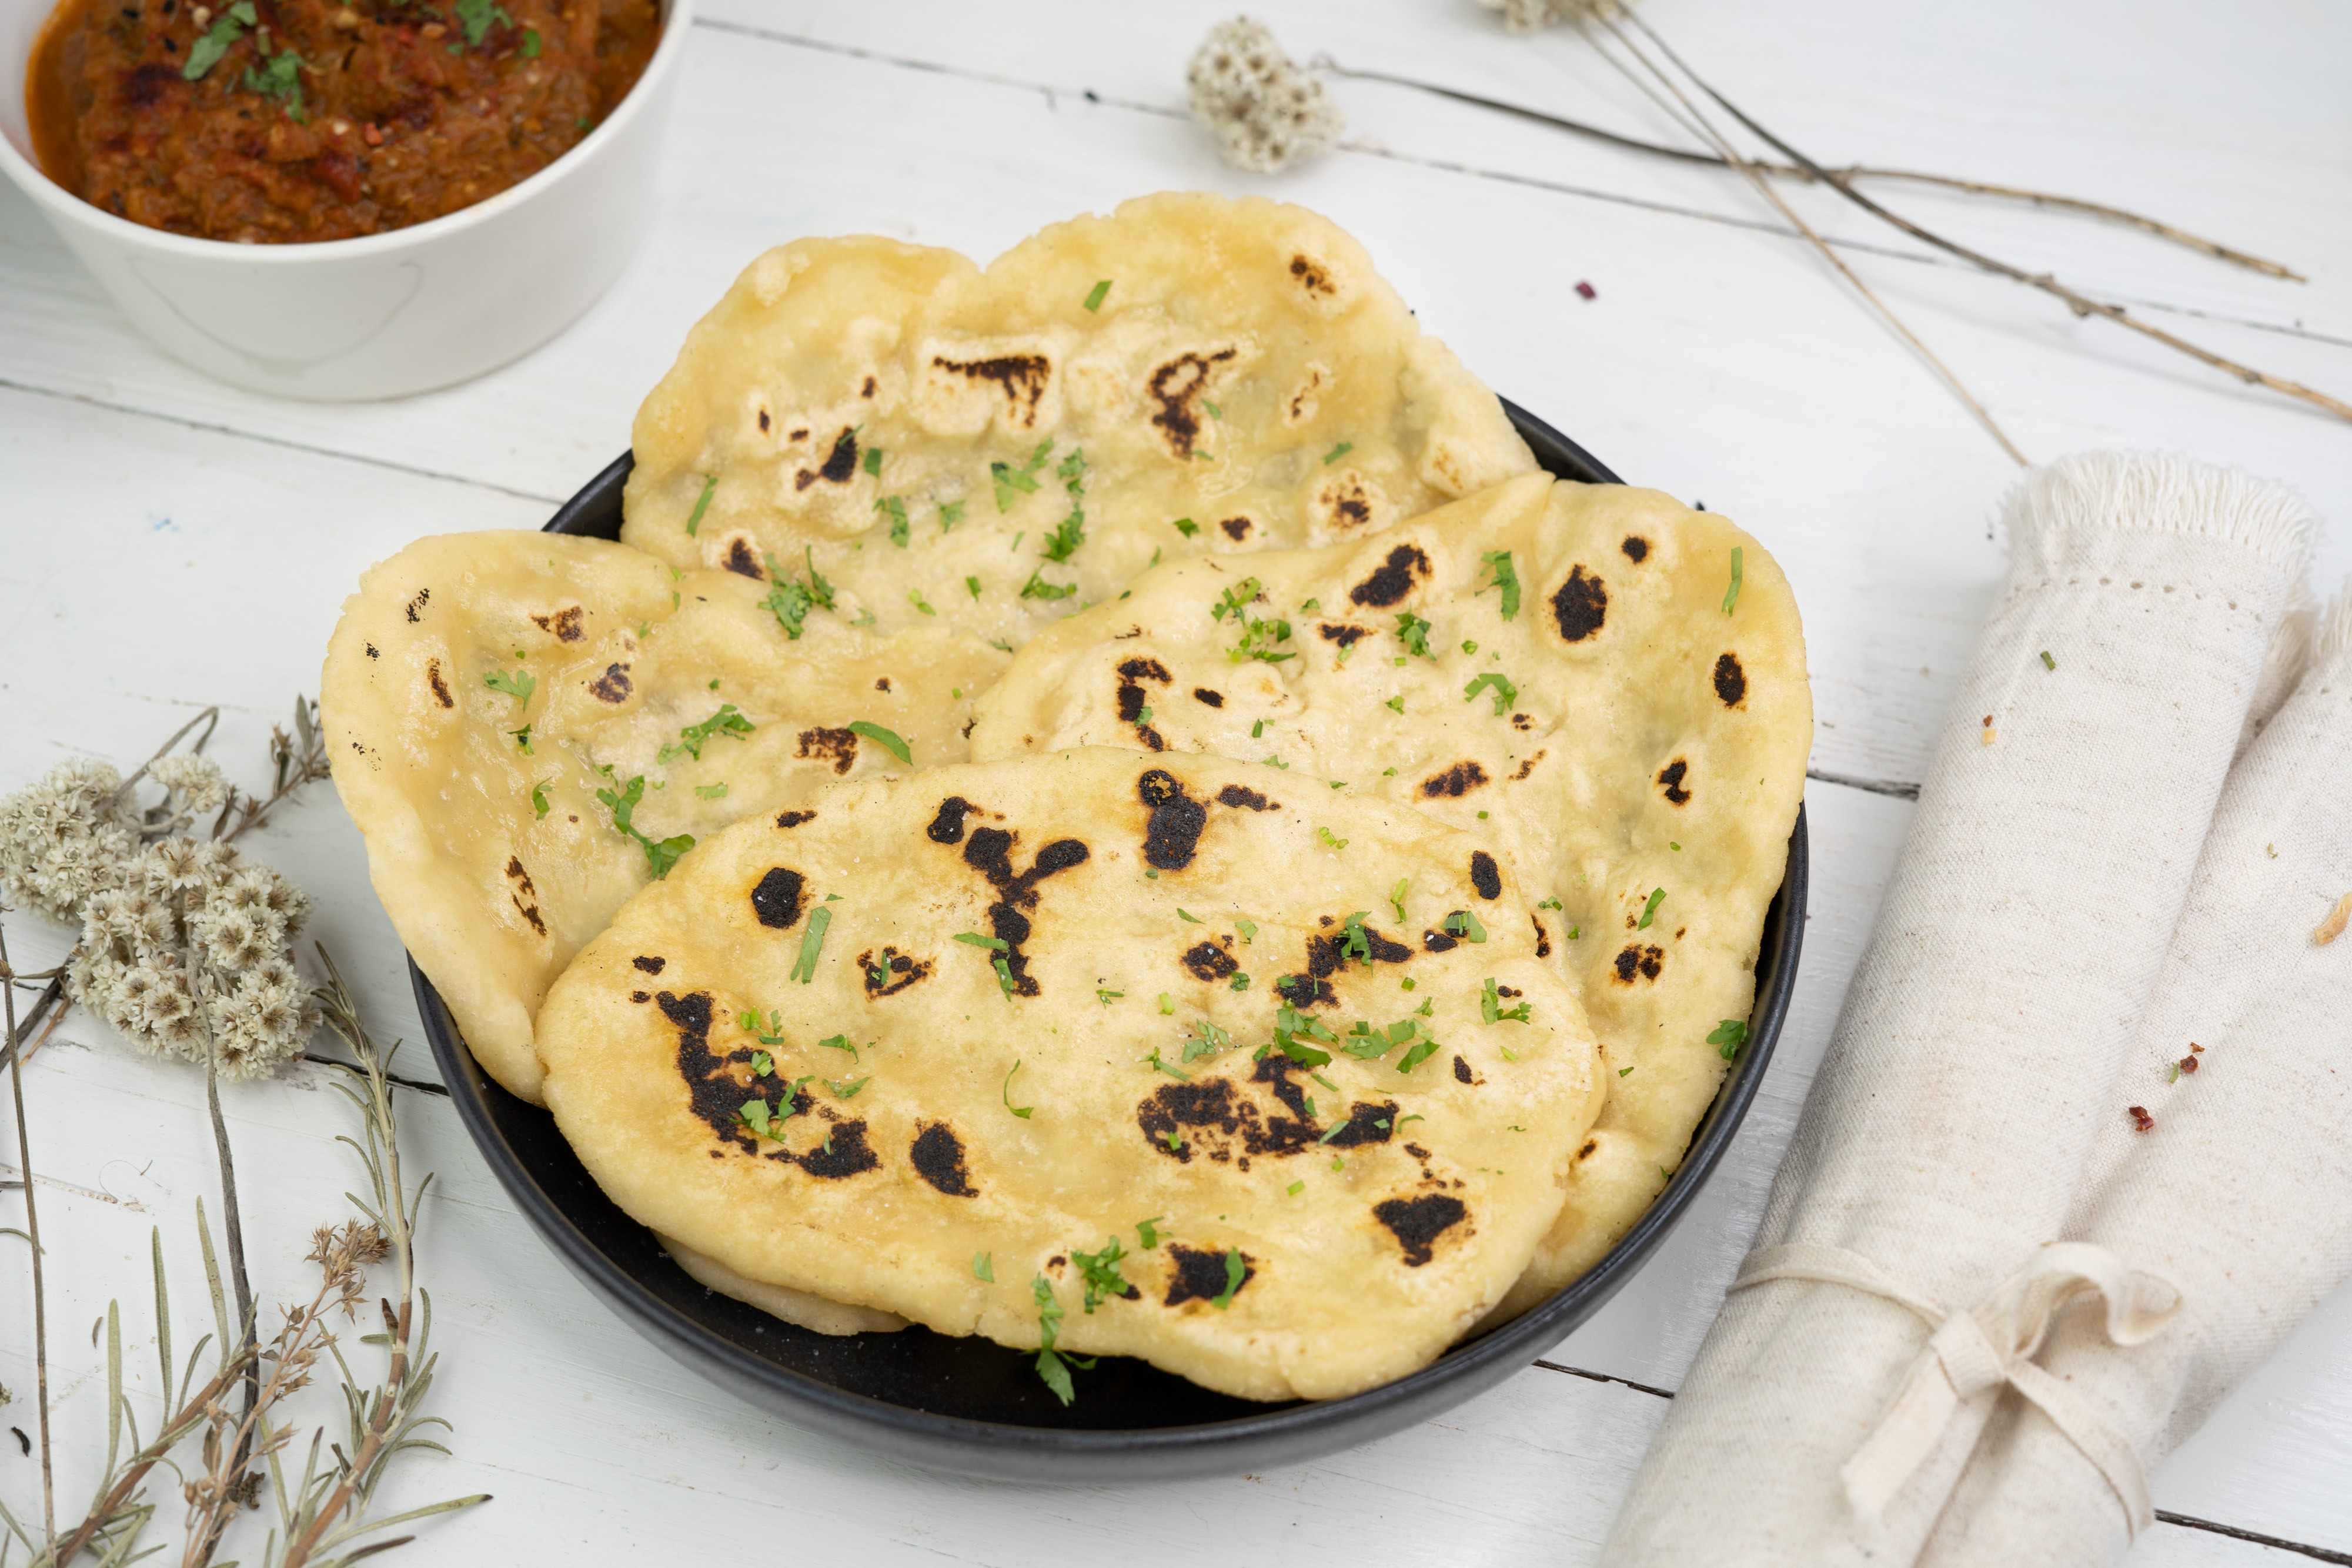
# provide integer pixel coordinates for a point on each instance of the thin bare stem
(1764, 188)
(2161, 230)
(232, 1220)
(50, 995)
(209, 718)
(2081, 304)
(33, 1232)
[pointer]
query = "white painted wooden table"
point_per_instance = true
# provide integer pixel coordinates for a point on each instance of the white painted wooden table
(170, 543)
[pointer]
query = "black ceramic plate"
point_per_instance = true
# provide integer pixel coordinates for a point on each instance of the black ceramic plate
(970, 1405)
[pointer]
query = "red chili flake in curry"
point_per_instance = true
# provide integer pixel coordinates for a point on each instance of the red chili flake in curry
(314, 120)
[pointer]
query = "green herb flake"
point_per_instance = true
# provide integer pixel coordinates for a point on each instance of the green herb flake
(726, 721)
(915, 598)
(1413, 632)
(1650, 910)
(1464, 924)
(660, 855)
(475, 16)
(1023, 480)
(517, 683)
(1095, 296)
(1325, 834)
(1396, 897)
(840, 1043)
(812, 942)
(1506, 693)
(1731, 1034)
(1575, 932)
(530, 44)
(1505, 577)
(896, 508)
(1166, 1007)
(887, 739)
(971, 584)
(1053, 1367)
(1019, 1111)
(848, 1091)
(1338, 452)
(1186, 527)
(1145, 1231)
(713, 791)
(2047, 661)
(523, 739)
(701, 505)
(1491, 1008)
(1182, 914)
(539, 797)
(1003, 977)
(207, 50)
(950, 513)
(983, 1266)
(1235, 1272)
(1257, 729)
(1038, 588)
(1248, 928)
(1106, 998)
(1294, 1188)
(1155, 1062)
(977, 940)
(1731, 594)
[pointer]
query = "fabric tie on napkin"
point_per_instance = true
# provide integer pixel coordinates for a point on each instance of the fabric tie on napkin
(2241, 1190)
(1901, 1280)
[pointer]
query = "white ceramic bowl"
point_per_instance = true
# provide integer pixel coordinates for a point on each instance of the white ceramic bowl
(384, 315)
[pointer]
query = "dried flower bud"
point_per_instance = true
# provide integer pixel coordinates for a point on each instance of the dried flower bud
(1528, 16)
(192, 785)
(66, 838)
(1266, 112)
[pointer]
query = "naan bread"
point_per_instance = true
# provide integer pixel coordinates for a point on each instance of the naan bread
(778, 1300)
(1371, 1214)
(1643, 739)
(1246, 381)
(624, 660)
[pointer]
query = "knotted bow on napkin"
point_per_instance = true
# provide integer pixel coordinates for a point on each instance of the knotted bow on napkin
(1976, 1060)
(1974, 1352)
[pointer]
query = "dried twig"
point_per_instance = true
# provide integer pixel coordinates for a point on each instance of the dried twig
(2081, 304)
(2160, 229)
(1764, 188)
(300, 759)
(33, 1230)
(209, 718)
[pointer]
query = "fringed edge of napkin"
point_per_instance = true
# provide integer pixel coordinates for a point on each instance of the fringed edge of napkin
(2159, 492)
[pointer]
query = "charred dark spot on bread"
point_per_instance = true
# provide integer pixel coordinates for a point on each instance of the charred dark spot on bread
(612, 686)
(1639, 961)
(779, 898)
(947, 827)
(1311, 275)
(1579, 605)
(1462, 1073)
(1172, 834)
(1486, 876)
(794, 818)
(1418, 1222)
(1455, 782)
(1242, 797)
(1405, 566)
(1196, 1274)
(1590, 1146)
(1131, 697)
(650, 965)
(844, 1153)
(893, 973)
(741, 562)
(1173, 386)
(715, 1094)
(838, 747)
(1304, 992)
(1528, 766)
(564, 625)
(763, 421)
(1022, 378)
(640, 996)
(990, 852)
(1439, 942)
(868, 389)
(1636, 549)
(1345, 635)
(1237, 528)
(1209, 961)
(1670, 779)
(881, 682)
(416, 605)
(525, 896)
(1730, 681)
(1204, 695)
(842, 461)
(371, 653)
(1543, 937)
(937, 1154)
(440, 688)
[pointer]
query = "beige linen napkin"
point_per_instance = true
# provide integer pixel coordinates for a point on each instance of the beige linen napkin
(2242, 1189)
(2021, 935)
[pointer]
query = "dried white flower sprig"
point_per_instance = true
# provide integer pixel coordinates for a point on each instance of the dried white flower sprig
(1528, 15)
(1264, 109)
(66, 838)
(184, 903)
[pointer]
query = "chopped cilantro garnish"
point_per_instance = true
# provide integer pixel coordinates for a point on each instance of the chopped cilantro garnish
(1204, 456)
(848, 1091)
(1023, 479)
(1186, 527)
(887, 739)
(1106, 998)
(1098, 1271)
(977, 940)
(1257, 728)
(517, 683)
(2047, 661)
(1053, 1367)
(1548, 904)
(950, 513)
(1338, 452)
(701, 504)
(713, 791)
(1205, 1039)
(1038, 588)
(539, 796)
(1289, 1024)
(790, 602)
(840, 1043)
(1650, 910)
(983, 1266)
(1235, 1274)
(1396, 704)
(280, 78)
(1166, 1007)
(1095, 297)
(973, 585)
(749, 1019)
(1409, 983)
(1019, 1111)
(811, 942)
(1491, 1008)
(530, 45)
(206, 51)
(476, 17)
(1413, 632)
(1296, 1188)
(1396, 897)
(1462, 923)
(1145, 1233)
(1003, 977)
(1731, 1034)
(1506, 693)
(1153, 1060)
(726, 721)
(1248, 928)
(1234, 599)
(660, 855)
(1355, 942)
(915, 598)
(1184, 915)
(897, 508)
(1731, 594)
(761, 1063)
(1325, 833)
(1506, 577)
(523, 739)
